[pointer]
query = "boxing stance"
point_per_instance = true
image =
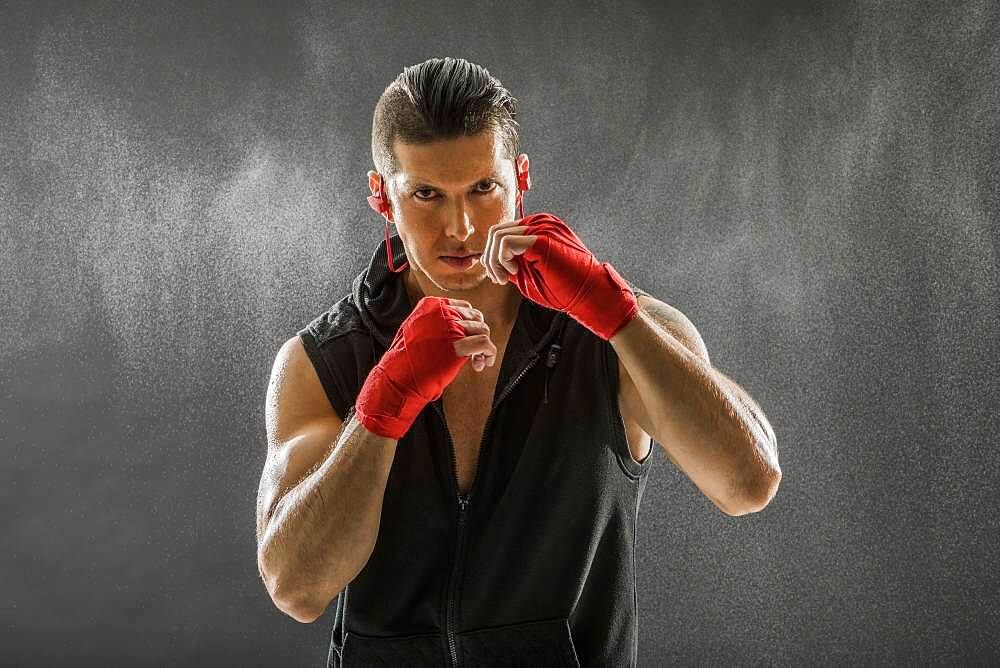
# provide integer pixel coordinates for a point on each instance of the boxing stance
(457, 449)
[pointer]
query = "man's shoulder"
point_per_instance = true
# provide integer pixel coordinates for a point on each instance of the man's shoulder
(338, 345)
(342, 318)
(673, 320)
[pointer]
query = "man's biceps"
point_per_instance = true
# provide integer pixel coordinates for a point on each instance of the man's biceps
(291, 461)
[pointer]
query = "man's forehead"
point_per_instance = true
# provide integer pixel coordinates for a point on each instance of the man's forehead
(413, 179)
(462, 161)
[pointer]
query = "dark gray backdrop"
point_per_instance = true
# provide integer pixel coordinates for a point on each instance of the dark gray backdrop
(814, 185)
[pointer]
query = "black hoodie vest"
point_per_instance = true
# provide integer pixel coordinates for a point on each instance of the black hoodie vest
(536, 566)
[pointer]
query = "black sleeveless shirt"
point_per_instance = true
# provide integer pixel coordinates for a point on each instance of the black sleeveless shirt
(536, 565)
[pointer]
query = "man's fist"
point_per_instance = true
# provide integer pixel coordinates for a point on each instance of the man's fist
(426, 354)
(551, 266)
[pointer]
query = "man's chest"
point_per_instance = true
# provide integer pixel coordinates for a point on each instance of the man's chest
(467, 401)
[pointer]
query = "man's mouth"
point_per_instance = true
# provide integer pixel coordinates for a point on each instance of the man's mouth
(462, 263)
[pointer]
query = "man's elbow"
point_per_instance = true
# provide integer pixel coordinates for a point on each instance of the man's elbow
(766, 491)
(755, 500)
(303, 614)
(298, 608)
(304, 607)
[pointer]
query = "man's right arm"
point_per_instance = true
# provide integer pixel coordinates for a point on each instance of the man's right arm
(320, 497)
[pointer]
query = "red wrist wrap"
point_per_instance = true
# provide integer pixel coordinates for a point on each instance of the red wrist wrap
(560, 272)
(414, 371)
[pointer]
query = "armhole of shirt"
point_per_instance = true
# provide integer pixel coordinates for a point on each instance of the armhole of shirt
(653, 443)
(334, 393)
(619, 446)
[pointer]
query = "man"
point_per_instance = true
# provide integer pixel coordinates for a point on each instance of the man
(455, 453)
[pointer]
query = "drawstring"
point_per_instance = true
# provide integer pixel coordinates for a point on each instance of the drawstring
(551, 359)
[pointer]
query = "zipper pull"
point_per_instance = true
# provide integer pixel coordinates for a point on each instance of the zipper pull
(553, 356)
(550, 361)
(463, 503)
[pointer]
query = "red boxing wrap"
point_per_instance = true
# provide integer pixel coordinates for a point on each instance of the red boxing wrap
(415, 369)
(559, 272)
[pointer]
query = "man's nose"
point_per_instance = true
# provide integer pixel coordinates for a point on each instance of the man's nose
(459, 225)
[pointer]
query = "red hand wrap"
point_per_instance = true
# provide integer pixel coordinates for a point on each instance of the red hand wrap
(559, 272)
(415, 369)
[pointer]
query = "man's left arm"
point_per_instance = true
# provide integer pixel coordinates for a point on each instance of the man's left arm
(711, 429)
(708, 425)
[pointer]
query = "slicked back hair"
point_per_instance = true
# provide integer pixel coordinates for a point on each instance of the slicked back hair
(441, 98)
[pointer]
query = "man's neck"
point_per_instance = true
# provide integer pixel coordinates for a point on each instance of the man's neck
(499, 304)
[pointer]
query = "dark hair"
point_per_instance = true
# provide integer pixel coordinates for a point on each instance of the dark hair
(441, 98)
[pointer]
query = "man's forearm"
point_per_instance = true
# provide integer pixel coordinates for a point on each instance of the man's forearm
(712, 436)
(323, 531)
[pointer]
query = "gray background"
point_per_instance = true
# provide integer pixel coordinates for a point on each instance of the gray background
(814, 185)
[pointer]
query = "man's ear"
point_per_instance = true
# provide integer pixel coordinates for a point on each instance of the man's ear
(373, 183)
(520, 165)
(522, 172)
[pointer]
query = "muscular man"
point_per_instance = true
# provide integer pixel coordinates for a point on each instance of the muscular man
(457, 448)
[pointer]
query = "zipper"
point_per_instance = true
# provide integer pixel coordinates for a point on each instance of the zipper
(463, 504)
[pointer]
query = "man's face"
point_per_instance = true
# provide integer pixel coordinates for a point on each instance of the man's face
(445, 198)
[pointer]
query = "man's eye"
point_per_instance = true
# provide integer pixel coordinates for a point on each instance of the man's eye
(491, 186)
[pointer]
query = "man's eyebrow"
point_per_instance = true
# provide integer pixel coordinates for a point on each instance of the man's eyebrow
(418, 181)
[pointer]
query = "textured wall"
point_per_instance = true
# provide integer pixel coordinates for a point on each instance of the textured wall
(815, 186)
